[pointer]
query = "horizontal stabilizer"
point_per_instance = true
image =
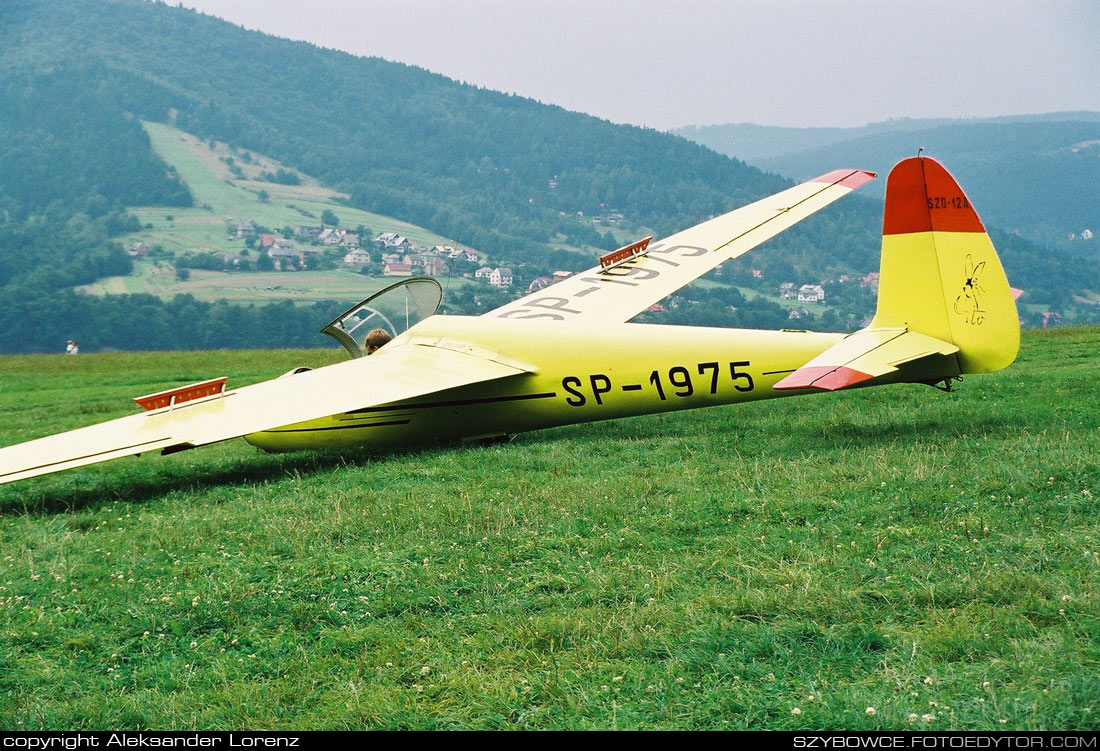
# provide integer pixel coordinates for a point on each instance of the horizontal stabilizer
(871, 354)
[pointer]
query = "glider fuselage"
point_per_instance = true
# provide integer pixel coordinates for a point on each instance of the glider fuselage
(575, 373)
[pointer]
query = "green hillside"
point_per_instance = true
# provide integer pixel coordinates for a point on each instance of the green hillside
(890, 558)
(222, 199)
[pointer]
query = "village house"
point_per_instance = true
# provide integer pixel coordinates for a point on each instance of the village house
(436, 267)
(871, 280)
(787, 291)
(307, 233)
(811, 293)
(392, 240)
(539, 282)
(284, 258)
(139, 249)
(501, 278)
(357, 257)
(483, 272)
(246, 230)
(416, 260)
(397, 269)
(288, 256)
(561, 275)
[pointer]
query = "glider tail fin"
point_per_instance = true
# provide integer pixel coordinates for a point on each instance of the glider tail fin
(940, 275)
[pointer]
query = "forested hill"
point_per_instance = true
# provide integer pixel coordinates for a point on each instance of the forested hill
(470, 163)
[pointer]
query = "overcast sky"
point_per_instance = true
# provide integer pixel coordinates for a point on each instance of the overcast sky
(667, 63)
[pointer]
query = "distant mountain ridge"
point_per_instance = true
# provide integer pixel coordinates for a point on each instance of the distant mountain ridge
(1035, 174)
(467, 162)
(758, 143)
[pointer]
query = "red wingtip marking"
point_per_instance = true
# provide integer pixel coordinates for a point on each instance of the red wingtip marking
(846, 177)
(921, 196)
(822, 377)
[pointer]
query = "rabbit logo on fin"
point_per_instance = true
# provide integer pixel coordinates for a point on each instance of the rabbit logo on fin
(968, 304)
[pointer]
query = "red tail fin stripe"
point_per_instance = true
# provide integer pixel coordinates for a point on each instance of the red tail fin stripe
(921, 196)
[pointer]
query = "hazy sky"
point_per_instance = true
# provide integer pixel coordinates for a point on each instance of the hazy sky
(666, 63)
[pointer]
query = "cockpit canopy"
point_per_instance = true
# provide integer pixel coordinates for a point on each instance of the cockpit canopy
(395, 309)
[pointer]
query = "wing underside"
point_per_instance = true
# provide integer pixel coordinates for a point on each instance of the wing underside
(617, 294)
(415, 369)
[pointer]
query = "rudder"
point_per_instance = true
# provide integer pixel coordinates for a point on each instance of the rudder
(940, 274)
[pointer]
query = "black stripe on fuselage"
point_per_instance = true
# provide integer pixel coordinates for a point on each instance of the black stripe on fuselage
(457, 403)
(341, 427)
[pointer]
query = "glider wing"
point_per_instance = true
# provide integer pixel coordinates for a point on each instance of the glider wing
(401, 371)
(632, 279)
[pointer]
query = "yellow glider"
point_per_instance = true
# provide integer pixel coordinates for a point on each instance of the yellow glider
(566, 354)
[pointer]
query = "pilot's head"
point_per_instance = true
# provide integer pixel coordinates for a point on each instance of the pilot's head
(376, 339)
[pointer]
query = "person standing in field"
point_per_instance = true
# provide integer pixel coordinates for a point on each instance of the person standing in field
(72, 347)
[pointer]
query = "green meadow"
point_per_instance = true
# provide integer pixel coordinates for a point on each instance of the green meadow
(222, 199)
(883, 558)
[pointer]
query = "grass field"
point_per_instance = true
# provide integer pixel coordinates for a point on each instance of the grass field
(883, 558)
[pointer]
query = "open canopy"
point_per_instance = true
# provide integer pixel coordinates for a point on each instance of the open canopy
(395, 309)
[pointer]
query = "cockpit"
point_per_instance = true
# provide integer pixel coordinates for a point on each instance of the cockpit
(394, 310)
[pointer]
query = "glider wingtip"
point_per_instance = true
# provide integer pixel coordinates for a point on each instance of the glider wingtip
(848, 178)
